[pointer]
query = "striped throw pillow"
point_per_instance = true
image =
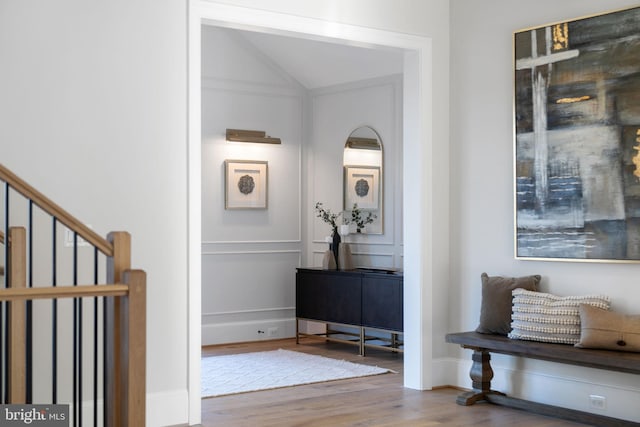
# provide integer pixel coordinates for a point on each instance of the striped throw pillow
(538, 316)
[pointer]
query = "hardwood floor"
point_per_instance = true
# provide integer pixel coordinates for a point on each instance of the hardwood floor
(379, 400)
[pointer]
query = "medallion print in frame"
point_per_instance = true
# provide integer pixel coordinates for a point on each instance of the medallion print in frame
(362, 186)
(577, 139)
(245, 184)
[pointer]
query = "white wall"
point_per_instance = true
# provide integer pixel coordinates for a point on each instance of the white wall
(94, 104)
(248, 91)
(482, 201)
(248, 256)
(94, 114)
(335, 112)
(425, 145)
(426, 141)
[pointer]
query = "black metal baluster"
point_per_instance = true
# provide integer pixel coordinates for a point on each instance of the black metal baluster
(75, 332)
(95, 340)
(29, 325)
(54, 320)
(4, 319)
(79, 322)
(105, 401)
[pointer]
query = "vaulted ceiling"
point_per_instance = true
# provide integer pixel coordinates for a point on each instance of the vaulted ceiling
(315, 64)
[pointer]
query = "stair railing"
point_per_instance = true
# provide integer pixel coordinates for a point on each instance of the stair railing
(123, 321)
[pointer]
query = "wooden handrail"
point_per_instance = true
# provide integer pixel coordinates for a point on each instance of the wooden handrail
(56, 211)
(52, 292)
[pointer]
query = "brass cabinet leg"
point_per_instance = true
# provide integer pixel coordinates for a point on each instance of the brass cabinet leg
(297, 331)
(481, 375)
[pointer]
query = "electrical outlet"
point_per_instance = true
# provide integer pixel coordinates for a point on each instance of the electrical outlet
(597, 402)
(272, 332)
(69, 238)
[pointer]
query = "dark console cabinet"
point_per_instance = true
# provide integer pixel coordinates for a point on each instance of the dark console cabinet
(382, 302)
(356, 298)
(343, 299)
(329, 295)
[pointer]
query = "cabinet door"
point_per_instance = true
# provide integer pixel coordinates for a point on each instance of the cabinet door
(311, 295)
(382, 300)
(344, 296)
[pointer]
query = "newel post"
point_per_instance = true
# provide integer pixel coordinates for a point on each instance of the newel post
(17, 279)
(134, 348)
(116, 266)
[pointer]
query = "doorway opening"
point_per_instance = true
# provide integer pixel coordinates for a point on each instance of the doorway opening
(416, 80)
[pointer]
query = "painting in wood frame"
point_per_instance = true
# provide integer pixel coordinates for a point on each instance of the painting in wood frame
(362, 187)
(577, 139)
(246, 184)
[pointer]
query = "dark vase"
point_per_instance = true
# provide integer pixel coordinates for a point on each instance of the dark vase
(336, 245)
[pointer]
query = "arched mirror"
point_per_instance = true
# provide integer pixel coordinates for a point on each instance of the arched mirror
(362, 161)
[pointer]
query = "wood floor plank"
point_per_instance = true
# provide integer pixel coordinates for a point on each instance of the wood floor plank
(379, 400)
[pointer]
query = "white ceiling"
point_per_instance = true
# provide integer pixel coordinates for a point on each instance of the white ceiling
(316, 64)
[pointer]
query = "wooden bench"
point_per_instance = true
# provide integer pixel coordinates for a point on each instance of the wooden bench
(481, 372)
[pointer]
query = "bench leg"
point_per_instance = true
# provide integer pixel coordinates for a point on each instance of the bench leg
(481, 375)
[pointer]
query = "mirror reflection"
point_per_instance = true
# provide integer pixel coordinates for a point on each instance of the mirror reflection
(362, 161)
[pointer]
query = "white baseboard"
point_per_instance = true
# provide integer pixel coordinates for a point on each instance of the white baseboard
(168, 408)
(443, 370)
(550, 383)
(163, 409)
(270, 329)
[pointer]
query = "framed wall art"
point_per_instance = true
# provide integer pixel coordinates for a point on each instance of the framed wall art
(362, 186)
(577, 139)
(245, 184)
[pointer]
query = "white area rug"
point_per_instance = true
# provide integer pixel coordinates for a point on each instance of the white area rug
(239, 373)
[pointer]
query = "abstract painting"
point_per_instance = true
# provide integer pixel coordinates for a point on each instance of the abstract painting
(362, 187)
(245, 184)
(577, 139)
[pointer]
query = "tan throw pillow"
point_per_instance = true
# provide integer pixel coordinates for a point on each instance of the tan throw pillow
(608, 330)
(539, 316)
(495, 308)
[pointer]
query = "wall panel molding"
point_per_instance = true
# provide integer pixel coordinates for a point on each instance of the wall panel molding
(248, 242)
(255, 310)
(335, 111)
(322, 242)
(250, 252)
(248, 315)
(360, 253)
(249, 257)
